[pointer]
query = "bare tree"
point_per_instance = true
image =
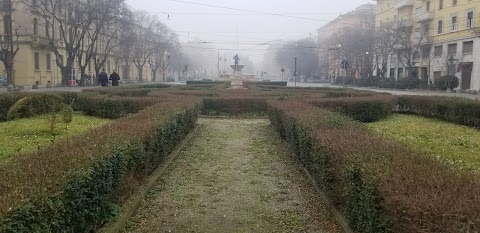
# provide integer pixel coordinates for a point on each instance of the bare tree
(67, 24)
(143, 37)
(164, 44)
(405, 40)
(102, 33)
(8, 50)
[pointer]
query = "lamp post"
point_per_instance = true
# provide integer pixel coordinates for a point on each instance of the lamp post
(295, 72)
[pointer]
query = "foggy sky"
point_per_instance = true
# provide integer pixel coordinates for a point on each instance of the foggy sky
(217, 27)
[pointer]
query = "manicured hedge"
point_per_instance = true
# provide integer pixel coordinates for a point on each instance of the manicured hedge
(234, 106)
(380, 186)
(248, 84)
(7, 100)
(457, 110)
(77, 187)
(364, 109)
(227, 83)
(126, 92)
(110, 107)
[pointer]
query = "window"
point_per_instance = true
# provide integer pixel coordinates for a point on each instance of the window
(470, 19)
(437, 75)
(467, 47)
(427, 7)
(35, 26)
(454, 2)
(47, 30)
(438, 51)
(392, 72)
(440, 26)
(452, 50)
(37, 61)
(416, 55)
(49, 62)
(440, 4)
(454, 23)
(6, 24)
(400, 73)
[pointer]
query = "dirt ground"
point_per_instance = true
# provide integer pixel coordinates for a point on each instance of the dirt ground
(235, 175)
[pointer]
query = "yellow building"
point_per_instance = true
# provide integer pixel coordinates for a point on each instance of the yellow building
(454, 44)
(35, 62)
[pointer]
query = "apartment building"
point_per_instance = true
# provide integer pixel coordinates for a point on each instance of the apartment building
(453, 43)
(329, 44)
(35, 62)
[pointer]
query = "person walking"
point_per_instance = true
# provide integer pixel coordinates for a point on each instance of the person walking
(103, 78)
(115, 78)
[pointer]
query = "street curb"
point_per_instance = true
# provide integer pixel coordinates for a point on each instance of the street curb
(134, 202)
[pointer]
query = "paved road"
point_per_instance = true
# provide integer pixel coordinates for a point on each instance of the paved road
(393, 92)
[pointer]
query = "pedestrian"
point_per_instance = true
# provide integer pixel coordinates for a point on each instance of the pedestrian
(103, 78)
(115, 78)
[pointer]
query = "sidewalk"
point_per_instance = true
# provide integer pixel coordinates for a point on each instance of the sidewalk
(392, 91)
(234, 176)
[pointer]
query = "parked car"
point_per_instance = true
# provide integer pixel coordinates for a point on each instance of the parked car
(3, 81)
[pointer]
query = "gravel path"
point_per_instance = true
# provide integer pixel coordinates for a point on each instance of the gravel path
(234, 176)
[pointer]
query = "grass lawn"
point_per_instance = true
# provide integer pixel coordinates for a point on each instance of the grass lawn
(27, 135)
(455, 144)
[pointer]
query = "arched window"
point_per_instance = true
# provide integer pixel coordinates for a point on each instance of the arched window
(416, 55)
(35, 26)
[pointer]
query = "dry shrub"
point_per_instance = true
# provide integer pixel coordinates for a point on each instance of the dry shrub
(44, 173)
(381, 185)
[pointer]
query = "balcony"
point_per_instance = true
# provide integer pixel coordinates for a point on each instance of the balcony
(404, 3)
(424, 16)
(39, 42)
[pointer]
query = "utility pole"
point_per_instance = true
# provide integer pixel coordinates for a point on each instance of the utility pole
(218, 63)
(295, 72)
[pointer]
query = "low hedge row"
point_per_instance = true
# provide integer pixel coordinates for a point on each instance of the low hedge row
(248, 84)
(7, 100)
(78, 187)
(380, 186)
(364, 109)
(227, 83)
(125, 92)
(457, 110)
(234, 106)
(110, 107)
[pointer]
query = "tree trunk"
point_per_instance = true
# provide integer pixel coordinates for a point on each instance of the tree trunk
(127, 70)
(82, 75)
(154, 77)
(140, 74)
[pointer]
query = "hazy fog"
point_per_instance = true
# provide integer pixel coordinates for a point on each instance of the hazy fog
(215, 28)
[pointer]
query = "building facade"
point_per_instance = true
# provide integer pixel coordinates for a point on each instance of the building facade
(330, 41)
(36, 63)
(453, 43)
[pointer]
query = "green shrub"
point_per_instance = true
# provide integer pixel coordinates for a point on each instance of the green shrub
(456, 110)
(234, 106)
(126, 92)
(110, 107)
(364, 109)
(447, 82)
(364, 205)
(380, 186)
(265, 84)
(7, 100)
(92, 195)
(226, 83)
(49, 105)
